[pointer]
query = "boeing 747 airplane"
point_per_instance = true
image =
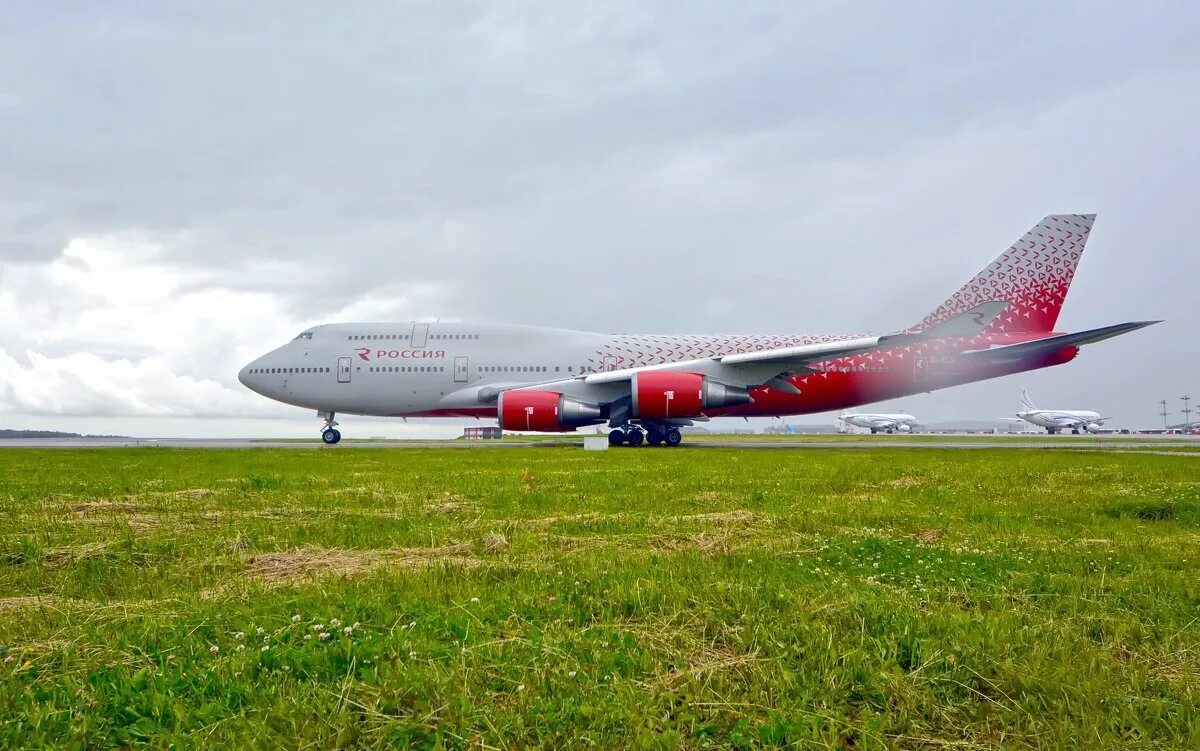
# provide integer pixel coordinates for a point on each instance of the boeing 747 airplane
(647, 386)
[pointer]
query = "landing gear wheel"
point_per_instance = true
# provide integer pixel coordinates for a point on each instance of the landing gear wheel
(673, 437)
(635, 437)
(874, 431)
(616, 437)
(655, 437)
(331, 435)
(1074, 431)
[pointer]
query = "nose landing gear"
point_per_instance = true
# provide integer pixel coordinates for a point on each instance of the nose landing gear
(330, 435)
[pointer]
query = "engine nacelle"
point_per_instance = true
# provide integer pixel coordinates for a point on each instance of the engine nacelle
(663, 394)
(544, 411)
(1093, 427)
(904, 428)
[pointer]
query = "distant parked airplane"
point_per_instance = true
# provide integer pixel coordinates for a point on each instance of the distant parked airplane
(888, 423)
(647, 386)
(1054, 420)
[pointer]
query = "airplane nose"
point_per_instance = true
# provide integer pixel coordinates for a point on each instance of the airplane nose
(244, 376)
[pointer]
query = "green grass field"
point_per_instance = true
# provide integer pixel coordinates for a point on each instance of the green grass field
(552, 598)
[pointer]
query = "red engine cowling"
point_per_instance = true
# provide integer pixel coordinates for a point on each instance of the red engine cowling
(663, 394)
(544, 411)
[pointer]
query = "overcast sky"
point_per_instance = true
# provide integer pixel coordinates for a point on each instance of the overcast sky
(185, 187)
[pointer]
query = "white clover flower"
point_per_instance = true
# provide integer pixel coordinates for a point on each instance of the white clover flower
(521, 687)
(465, 651)
(324, 634)
(356, 625)
(170, 658)
(571, 674)
(296, 618)
(307, 637)
(214, 649)
(412, 655)
(334, 623)
(240, 635)
(265, 647)
(259, 630)
(347, 631)
(475, 599)
(8, 660)
(317, 627)
(241, 648)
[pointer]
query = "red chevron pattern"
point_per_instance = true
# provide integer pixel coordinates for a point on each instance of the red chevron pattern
(1032, 276)
(636, 350)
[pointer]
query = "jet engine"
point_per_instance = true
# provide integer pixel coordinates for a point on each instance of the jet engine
(664, 394)
(544, 411)
(903, 428)
(1093, 427)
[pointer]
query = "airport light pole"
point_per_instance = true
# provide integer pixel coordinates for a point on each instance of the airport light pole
(1163, 402)
(1187, 412)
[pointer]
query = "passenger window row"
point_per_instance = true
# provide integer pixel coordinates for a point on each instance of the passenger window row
(525, 369)
(392, 337)
(289, 370)
(407, 369)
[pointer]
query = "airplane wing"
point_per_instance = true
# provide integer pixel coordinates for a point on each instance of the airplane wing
(1013, 352)
(771, 365)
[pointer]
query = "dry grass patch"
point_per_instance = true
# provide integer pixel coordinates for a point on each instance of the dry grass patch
(711, 543)
(548, 521)
(907, 481)
(25, 602)
(930, 535)
(308, 563)
(89, 508)
(192, 493)
(725, 517)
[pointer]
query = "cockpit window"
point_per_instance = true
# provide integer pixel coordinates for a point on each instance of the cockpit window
(305, 335)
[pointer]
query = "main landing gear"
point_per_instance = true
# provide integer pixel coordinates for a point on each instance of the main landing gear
(330, 435)
(636, 435)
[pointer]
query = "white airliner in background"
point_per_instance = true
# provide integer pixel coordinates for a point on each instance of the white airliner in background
(1054, 420)
(647, 386)
(888, 423)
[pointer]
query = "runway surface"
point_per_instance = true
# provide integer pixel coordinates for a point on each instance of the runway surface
(1133, 444)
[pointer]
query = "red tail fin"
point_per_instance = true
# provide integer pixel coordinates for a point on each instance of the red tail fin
(1032, 276)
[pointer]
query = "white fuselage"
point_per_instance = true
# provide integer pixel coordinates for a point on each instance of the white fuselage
(897, 421)
(1060, 419)
(438, 369)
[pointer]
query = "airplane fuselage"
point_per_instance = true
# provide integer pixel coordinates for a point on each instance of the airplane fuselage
(1056, 419)
(440, 369)
(881, 421)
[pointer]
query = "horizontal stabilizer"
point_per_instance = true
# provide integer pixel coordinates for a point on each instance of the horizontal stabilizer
(1011, 352)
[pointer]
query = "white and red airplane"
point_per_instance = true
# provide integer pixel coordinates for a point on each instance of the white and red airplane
(646, 386)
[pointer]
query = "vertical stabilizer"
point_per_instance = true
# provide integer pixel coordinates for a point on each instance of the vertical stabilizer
(1032, 276)
(1027, 403)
